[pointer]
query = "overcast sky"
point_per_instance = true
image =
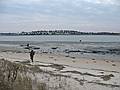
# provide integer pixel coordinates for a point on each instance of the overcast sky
(82, 15)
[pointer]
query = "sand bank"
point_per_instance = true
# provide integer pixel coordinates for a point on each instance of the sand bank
(63, 72)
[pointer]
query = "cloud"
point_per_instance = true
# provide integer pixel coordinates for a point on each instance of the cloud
(69, 13)
(21, 1)
(105, 2)
(58, 7)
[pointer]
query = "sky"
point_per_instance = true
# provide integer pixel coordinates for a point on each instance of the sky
(80, 15)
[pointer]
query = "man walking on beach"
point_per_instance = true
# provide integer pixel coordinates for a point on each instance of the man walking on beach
(32, 53)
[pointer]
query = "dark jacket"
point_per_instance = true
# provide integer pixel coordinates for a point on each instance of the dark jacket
(32, 53)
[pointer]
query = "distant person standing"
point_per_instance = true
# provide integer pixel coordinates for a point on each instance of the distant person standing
(28, 45)
(32, 53)
(80, 40)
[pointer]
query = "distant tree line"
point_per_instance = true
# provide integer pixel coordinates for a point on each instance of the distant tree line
(59, 32)
(9, 34)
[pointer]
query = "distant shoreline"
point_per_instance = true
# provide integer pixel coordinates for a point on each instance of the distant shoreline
(59, 35)
(57, 32)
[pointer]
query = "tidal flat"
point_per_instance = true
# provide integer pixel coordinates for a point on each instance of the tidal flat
(58, 66)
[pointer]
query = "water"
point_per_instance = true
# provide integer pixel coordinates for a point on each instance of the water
(92, 46)
(63, 38)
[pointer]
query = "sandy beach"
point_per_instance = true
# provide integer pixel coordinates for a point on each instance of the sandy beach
(63, 72)
(59, 44)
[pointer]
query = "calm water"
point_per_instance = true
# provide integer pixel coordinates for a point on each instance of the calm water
(63, 38)
(92, 46)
